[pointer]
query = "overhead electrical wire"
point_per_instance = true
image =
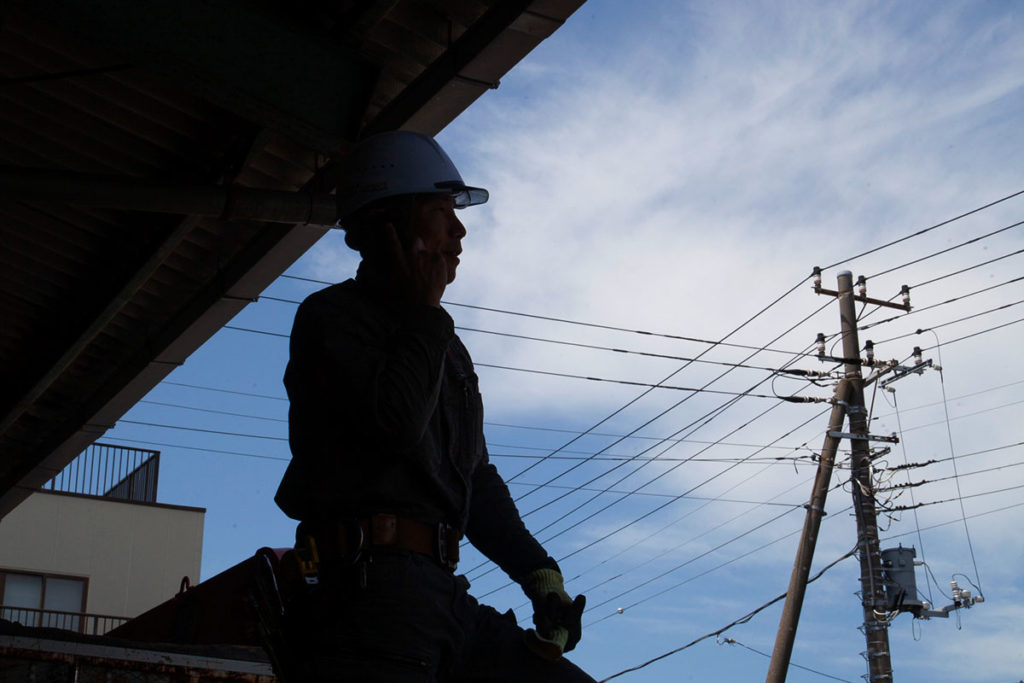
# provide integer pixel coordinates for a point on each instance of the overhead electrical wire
(201, 430)
(206, 450)
(733, 641)
(906, 461)
(613, 457)
(919, 285)
(947, 250)
(972, 335)
(952, 453)
(965, 415)
(667, 378)
(647, 514)
(223, 391)
(1003, 508)
(925, 230)
(912, 485)
(673, 549)
(597, 347)
(567, 375)
(563, 430)
(582, 455)
(704, 420)
(742, 620)
(652, 385)
(954, 322)
(960, 499)
(566, 321)
(621, 528)
(987, 390)
(212, 411)
(688, 562)
(715, 499)
(936, 305)
(693, 488)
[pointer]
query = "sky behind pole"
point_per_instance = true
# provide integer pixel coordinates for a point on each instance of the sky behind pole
(669, 173)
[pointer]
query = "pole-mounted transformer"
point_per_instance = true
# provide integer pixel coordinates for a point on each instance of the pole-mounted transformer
(901, 587)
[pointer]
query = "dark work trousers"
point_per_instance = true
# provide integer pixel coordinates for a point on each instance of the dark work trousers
(398, 616)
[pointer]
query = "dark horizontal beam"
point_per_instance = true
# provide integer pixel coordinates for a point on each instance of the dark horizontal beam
(130, 194)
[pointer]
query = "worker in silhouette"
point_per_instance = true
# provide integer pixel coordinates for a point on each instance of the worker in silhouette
(389, 468)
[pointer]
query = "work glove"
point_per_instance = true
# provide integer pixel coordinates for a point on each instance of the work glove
(558, 618)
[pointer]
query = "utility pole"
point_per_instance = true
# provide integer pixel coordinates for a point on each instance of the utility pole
(876, 627)
(779, 665)
(848, 401)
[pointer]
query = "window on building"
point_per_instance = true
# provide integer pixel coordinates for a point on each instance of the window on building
(42, 599)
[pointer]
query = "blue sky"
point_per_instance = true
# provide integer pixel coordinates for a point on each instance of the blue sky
(676, 167)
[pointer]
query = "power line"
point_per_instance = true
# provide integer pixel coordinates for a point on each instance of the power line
(964, 270)
(958, 320)
(961, 396)
(742, 620)
(704, 420)
(638, 437)
(733, 641)
(658, 508)
(616, 350)
(694, 559)
(948, 249)
(913, 485)
(952, 454)
(652, 385)
(212, 411)
(583, 455)
(906, 461)
(965, 415)
(203, 431)
(651, 512)
(708, 417)
(925, 230)
(672, 495)
(551, 373)
(941, 303)
(660, 439)
(957, 520)
(566, 321)
(205, 450)
(958, 499)
(971, 336)
(224, 391)
(982, 452)
(676, 521)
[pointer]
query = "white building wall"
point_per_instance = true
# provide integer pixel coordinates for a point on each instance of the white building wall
(134, 554)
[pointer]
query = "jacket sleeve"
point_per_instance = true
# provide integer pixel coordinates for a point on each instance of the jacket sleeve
(497, 530)
(378, 372)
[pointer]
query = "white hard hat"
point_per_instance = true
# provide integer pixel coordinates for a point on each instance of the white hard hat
(396, 163)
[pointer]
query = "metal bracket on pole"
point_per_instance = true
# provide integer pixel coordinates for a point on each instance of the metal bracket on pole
(864, 437)
(865, 299)
(901, 371)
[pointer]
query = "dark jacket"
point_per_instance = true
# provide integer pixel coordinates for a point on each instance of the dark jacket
(386, 416)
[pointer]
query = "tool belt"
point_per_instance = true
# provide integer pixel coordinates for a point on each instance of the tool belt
(345, 542)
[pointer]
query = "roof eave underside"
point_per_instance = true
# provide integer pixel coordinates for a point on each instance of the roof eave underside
(100, 304)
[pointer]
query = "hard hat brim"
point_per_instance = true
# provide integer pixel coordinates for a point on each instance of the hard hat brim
(468, 196)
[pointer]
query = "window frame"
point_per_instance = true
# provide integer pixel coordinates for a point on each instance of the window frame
(5, 572)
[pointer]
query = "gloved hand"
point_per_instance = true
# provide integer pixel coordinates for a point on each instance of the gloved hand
(558, 617)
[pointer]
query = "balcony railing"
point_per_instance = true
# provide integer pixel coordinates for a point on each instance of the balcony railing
(112, 472)
(79, 622)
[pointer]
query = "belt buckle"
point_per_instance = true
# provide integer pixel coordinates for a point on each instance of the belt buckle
(443, 556)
